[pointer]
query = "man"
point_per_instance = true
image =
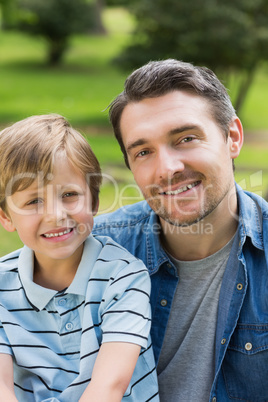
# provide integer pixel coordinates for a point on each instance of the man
(203, 239)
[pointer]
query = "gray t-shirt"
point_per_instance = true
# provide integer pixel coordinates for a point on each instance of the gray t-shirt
(186, 365)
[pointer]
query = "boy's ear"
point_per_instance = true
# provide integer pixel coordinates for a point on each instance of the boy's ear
(6, 222)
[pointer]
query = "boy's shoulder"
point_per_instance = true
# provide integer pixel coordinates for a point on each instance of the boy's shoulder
(113, 250)
(9, 261)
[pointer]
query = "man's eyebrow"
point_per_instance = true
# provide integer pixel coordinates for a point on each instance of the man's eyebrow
(182, 129)
(132, 145)
(176, 130)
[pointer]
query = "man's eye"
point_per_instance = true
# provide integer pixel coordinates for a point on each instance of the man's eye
(142, 153)
(187, 139)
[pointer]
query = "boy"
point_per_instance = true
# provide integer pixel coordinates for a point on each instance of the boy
(74, 309)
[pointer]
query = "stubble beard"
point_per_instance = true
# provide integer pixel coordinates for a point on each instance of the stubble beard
(175, 213)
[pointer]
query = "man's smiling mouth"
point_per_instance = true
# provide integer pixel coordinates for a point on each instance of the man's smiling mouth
(182, 189)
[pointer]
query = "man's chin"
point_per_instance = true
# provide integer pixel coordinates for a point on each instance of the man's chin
(181, 222)
(177, 219)
(184, 220)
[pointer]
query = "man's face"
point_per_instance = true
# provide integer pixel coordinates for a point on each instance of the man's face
(179, 156)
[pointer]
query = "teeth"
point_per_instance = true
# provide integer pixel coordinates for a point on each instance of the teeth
(58, 234)
(182, 189)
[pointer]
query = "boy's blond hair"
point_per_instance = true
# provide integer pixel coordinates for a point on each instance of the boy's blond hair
(30, 146)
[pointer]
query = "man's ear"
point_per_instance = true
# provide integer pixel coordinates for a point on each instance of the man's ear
(235, 137)
(6, 222)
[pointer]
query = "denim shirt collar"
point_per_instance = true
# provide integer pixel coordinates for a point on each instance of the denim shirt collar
(250, 218)
(156, 256)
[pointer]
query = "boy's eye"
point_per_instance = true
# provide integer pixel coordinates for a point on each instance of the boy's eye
(35, 201)
(70, 194)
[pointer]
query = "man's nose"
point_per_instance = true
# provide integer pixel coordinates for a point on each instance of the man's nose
(169, 162)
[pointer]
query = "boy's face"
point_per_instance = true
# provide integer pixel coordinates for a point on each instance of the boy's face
(53, 219)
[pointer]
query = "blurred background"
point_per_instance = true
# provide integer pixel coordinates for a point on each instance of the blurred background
(72, 57)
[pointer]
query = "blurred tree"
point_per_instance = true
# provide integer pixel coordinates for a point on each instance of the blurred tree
(119, 3)
(230, 37)
(99, 27)
(8, 13)
(56, 21)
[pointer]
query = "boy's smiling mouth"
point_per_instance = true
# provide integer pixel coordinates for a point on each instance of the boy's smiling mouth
(57, 234)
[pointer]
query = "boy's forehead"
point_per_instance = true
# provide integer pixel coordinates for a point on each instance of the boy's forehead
(41, 186)
(61, 174)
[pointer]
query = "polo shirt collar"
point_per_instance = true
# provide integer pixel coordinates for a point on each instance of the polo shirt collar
(39, 296)
(92, 249)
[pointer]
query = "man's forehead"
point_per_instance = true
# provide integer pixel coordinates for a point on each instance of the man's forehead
(172, 101)
(174, 109)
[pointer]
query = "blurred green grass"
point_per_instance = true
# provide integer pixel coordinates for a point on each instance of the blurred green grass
(79, 92)
(80, 89)
(83, 87)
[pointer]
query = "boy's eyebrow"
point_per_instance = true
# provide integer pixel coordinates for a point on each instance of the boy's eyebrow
(34, 193)
(176, 130)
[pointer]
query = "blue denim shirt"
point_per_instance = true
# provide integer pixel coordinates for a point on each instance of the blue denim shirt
(241, 362)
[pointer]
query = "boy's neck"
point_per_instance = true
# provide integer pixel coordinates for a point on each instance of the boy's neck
(57, 282)
(55, 274)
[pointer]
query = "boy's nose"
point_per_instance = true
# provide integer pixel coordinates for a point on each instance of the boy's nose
(55, 211)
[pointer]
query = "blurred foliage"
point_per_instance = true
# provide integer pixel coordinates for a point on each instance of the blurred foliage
(225, 36)
(9, 13)
(120, 3)
(56, 21)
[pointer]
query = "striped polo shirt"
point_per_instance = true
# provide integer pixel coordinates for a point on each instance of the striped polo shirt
(55, 336)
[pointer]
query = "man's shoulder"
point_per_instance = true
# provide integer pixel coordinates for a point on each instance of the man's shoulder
(253, 217)
(130, 226)
(249, 200)
(128, 215)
